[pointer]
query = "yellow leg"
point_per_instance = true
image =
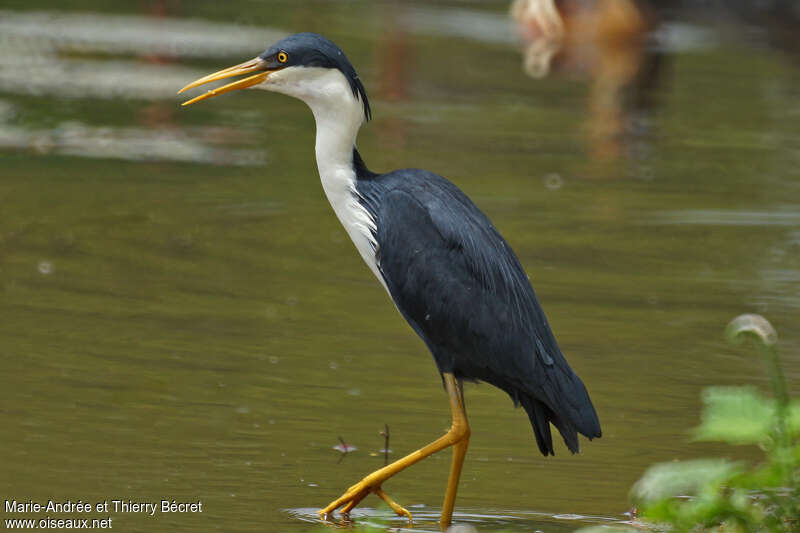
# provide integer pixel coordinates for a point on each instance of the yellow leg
(459, 451)
(458, 435)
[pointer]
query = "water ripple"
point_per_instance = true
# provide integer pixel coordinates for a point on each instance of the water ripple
(426, 519)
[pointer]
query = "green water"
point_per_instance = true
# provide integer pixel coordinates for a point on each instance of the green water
(189, 331)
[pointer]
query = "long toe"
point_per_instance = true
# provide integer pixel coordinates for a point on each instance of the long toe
(352, 503)
(397, 508)
(349, 499)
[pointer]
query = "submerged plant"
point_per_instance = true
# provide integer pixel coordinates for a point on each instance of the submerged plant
(724, 495)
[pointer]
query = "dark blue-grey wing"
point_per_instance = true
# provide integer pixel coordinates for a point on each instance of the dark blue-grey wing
(462, 289)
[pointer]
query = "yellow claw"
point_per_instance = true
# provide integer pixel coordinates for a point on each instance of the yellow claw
(353, 497)
(399, 509)
(355, 501)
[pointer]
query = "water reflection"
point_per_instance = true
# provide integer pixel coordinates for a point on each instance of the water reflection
(42, 33)
(623, 47)
(96, 56)
(426, 520)
(194, 145)
(610, 41)
(782, 216)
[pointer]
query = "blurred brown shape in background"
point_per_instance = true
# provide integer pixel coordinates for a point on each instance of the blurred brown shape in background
(604, 40)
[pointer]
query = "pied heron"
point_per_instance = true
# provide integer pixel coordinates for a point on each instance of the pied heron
(448, 270)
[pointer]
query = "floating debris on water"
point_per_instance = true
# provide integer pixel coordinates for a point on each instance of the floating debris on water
(343, 447)
(45, 267)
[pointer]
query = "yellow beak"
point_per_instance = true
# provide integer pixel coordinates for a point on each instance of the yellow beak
(253, 65)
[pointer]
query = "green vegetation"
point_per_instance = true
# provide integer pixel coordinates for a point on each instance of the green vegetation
(724, 495)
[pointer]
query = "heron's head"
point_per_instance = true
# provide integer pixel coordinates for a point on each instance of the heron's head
(304, 65)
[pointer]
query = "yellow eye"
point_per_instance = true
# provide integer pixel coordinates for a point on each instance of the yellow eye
(282, 57)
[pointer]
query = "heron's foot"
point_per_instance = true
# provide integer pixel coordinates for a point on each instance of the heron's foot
(353, 497)
(397, 508)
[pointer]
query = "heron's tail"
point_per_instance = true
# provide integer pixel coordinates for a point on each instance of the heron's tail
(576, 415)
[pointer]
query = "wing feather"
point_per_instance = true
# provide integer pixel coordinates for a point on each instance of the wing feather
(463, 290)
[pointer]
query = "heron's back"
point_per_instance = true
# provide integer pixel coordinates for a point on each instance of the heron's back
(463, 290)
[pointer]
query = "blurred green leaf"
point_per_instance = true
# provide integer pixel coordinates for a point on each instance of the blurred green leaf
(765, 476)
(793, 418)
(737, 415)
(709, 509)
(683, 478)
(717, 495)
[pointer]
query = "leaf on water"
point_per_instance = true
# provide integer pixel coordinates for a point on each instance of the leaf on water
(683, 478)
(737, 415)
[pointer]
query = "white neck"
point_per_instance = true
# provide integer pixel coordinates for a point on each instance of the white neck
(339, 115)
